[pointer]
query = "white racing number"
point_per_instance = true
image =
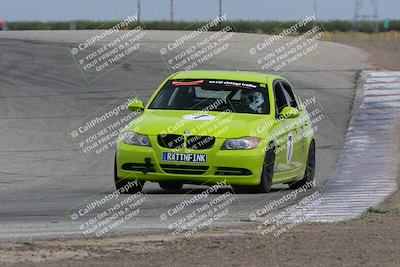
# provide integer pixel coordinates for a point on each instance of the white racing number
(289, 148)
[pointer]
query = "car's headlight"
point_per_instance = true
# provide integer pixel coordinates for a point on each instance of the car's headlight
(241, 143)
(132, 138)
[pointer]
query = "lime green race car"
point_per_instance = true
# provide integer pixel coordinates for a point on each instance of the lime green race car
(246, 129)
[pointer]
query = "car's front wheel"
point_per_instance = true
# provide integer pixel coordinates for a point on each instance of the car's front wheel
(123, 186)
(266, 176)
(308, 179)
(267, 172)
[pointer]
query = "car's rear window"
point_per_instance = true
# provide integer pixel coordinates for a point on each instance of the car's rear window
(213, 95)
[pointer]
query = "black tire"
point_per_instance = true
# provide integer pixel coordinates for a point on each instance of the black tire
(267, 172)
(171, 186)
(121, 183)
(309, 174)
(266, 176)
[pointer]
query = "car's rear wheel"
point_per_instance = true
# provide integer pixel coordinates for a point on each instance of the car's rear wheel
(171, 186)
(128, 188)
(309, 174)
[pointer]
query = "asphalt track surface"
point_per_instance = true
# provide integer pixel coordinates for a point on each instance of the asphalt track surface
(42, 92)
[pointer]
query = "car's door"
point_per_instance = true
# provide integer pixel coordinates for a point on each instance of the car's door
(280, 130)
(296, 142)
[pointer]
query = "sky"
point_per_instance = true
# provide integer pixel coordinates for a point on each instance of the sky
(58, 10)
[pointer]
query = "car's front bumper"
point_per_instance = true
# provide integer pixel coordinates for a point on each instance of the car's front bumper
(242, 167)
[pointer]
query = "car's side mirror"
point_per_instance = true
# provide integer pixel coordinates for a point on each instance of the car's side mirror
(290, 113)
(136, 105)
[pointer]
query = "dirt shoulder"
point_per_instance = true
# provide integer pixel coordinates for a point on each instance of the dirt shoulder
(383, 48)
(372, 240)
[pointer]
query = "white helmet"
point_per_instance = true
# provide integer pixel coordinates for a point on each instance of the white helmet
(253, 99)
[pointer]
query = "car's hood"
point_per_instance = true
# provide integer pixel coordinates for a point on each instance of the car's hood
(218, 124)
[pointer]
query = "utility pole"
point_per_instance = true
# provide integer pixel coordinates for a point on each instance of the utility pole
(171, 10)
(315, 12)
(372, 16)
(72, 25)
(138, 10)
(220, 8)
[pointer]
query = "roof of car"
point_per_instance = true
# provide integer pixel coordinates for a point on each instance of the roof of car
(247, 76)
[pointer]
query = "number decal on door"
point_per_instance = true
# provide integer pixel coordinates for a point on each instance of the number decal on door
(289, 148)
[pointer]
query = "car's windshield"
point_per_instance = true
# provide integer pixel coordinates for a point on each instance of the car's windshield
(213, 95)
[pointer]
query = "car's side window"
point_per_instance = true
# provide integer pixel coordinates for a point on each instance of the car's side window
(290, 94)
(280, 97)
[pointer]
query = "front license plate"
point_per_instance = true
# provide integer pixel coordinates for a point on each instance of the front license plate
(184, 157)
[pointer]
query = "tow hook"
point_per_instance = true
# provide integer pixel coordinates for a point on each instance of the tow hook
(147, 166)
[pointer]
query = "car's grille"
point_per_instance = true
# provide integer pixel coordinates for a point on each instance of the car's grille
(172, 141)
(232, 171)
(183, 169)
(195, 142)
(139, 167)
(200, 142)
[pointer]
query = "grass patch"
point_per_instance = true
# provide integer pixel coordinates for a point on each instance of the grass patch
(28, 243)
(375, 211)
